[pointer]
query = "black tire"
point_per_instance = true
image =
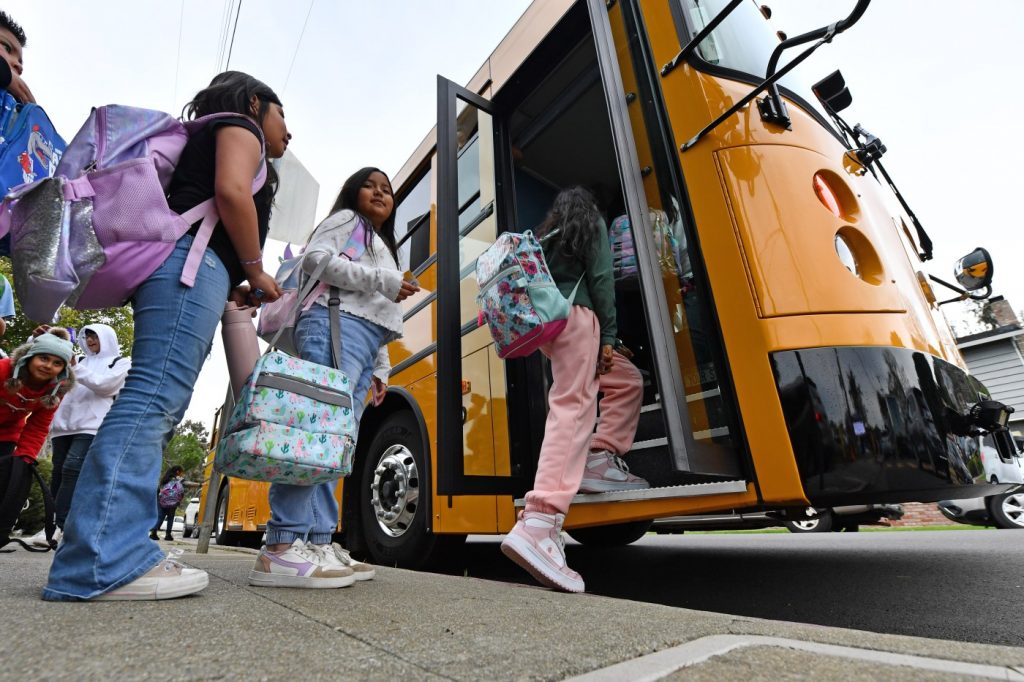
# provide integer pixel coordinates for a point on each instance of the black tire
(398, 491)
(222, 536)
(615, 535)
(820, 523)
(1007, 510)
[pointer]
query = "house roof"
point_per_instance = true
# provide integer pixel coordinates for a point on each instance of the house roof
(1007, 331)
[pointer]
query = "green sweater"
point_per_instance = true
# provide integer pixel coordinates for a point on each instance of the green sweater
(597, 289)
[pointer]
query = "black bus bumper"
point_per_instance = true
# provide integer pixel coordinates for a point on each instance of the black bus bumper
(880, 424)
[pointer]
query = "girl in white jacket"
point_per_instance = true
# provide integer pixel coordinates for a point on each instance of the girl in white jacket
(299, 552)
(101, 372)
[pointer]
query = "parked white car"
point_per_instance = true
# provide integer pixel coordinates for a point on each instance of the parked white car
(191, 520)
(1002, 511)
(824, 520)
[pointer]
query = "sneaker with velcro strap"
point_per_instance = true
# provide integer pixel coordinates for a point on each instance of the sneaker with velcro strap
(299, 565)
(537, 545)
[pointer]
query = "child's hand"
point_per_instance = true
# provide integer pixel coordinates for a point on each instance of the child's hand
(605, 359)
(379, 390)
(20, 89)
(407, 290)
(240, 296)
(40, 330)
(264, 288)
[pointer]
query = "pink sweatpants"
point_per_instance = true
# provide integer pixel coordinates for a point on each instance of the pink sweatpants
(572, 410)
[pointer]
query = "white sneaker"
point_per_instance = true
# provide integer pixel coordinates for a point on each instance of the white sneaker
(38, 540)
(300, 565)
(167, 580)
(361, 569)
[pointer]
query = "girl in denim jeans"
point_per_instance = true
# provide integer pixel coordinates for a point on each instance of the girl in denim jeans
(299, 552)
(105, 553)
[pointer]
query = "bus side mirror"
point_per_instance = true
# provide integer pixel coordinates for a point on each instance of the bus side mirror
(832, 92)
(974, 271)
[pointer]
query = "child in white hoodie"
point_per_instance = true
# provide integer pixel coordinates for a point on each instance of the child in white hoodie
(100, 375)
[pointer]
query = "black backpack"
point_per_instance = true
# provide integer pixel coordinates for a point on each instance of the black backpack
(18, 487)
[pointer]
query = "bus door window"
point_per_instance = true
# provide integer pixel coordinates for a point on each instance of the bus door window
(471, 460)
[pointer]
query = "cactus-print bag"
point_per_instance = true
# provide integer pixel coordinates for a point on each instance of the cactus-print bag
(293, 422)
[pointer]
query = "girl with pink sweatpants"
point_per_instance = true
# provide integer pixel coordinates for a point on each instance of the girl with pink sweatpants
(583, 362)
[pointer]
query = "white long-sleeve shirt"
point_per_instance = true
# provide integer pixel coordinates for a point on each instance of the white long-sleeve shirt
(368, 285)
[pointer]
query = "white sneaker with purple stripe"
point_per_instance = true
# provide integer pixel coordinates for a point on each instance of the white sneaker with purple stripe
(300, 565)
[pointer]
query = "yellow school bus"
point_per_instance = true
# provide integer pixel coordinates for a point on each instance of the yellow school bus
(793, 350)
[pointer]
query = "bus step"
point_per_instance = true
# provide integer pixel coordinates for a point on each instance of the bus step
(690, 490)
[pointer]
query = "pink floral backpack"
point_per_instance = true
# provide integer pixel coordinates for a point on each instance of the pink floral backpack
(518, 298)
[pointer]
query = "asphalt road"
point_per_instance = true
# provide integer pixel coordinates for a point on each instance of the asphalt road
(956, 585)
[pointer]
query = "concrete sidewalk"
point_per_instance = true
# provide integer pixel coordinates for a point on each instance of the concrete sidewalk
(421, 626)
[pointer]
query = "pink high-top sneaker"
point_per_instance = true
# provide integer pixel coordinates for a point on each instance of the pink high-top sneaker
(536, 544)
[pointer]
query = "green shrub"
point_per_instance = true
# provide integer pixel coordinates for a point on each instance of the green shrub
(31, 520)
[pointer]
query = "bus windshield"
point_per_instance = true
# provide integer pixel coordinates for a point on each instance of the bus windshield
(744, 42)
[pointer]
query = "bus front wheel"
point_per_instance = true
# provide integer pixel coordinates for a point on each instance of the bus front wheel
(393, 491)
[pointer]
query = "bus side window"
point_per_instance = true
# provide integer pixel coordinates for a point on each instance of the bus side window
(419, 248)
(412, 224)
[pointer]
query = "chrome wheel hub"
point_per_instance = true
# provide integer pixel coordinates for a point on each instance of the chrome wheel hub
(1013, 508)
(395, 490)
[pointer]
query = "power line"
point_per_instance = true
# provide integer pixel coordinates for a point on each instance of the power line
(234, 30)
(295, 53)
(222, 39)
(177, 61)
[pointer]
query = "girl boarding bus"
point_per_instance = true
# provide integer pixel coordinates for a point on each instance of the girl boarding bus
(792, 350)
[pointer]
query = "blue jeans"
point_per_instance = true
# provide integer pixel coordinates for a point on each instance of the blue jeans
(72, 451)
(105, 541)
(310, 512)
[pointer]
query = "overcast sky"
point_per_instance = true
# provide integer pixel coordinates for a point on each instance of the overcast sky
(940, 87)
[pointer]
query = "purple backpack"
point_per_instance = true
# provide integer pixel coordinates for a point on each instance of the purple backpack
(91, 234)
(170, 493)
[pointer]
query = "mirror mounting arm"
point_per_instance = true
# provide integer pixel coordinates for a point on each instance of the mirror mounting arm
(773, 108)
(824, 35)
(964, 294)
(751, 95)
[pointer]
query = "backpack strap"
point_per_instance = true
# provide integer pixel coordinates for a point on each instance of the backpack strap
(114, 362)
(207, 210)
(572, 294)
(10, 507)
(311, 283)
